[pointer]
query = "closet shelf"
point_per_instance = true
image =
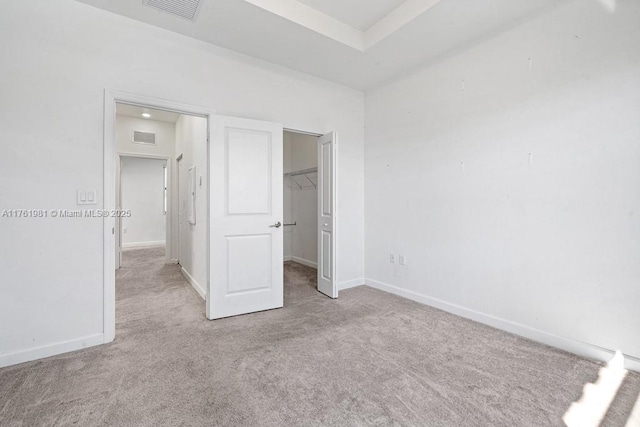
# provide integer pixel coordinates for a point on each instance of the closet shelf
(305, 178)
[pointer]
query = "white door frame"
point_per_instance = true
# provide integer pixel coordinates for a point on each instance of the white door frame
(178, 225)
(169, 216)
(111, 97)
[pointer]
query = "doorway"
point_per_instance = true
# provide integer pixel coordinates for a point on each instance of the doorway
(159, 195)
(309, 208)
(140, 134)
(142, 198)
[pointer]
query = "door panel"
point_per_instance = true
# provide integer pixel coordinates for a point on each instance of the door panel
(256, 251)
(326, 255)
(326, 180)
(246, 265)
(249, 171)
(326, 215)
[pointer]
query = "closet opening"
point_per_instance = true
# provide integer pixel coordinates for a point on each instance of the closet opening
(301, 152)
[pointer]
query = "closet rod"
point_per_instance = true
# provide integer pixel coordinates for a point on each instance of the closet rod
(302, 172)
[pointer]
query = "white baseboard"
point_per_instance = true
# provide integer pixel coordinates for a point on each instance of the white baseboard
(142, 245)
(348, 284)
(50, 350)
(567, 344)
(172, 261)
(304, 262)
(194, 283)
(287, 258)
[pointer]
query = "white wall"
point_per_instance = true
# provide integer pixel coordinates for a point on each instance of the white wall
(165, 136)
(142, 183)
(57, 59)
(304, 236)
(191, 143)
(301, 241)
(304, 151)
(549, 249)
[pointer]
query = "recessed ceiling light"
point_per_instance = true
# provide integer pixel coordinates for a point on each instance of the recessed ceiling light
(146, 115)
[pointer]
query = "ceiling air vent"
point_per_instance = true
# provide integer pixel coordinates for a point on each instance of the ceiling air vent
(146, 138)
(183, 8)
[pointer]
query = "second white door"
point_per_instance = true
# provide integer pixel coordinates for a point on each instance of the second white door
(246, 213)
(327, 283)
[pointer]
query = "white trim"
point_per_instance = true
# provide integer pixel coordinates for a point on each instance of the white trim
(567, 344)
(395, 20)
(109, 223)
(143, 155)
(194, 283)
(308, 17)
(288, 258)
(348, 284)
(328, 26)
(50, 350)
(302, 132)
(304, 261)
(172, 261)
(141, 245)
(111, 97)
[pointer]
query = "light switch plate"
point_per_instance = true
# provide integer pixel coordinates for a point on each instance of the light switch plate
(87, 197)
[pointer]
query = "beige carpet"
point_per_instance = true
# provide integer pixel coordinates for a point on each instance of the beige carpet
(368, 358)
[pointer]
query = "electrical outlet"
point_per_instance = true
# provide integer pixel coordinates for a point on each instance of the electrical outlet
(125, 231)
(402, 259)
(392, 258)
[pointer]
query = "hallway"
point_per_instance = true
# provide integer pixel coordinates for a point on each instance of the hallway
(148, 289)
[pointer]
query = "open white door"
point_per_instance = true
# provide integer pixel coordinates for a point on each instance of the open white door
(246, 233)
(182, 212)
(327, 215)
(118, 230)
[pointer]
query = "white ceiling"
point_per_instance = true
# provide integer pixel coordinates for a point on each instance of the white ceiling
(333, 41)
(359, 14)
(135, 111)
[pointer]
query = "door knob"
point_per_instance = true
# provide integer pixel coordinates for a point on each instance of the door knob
(276, 225)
